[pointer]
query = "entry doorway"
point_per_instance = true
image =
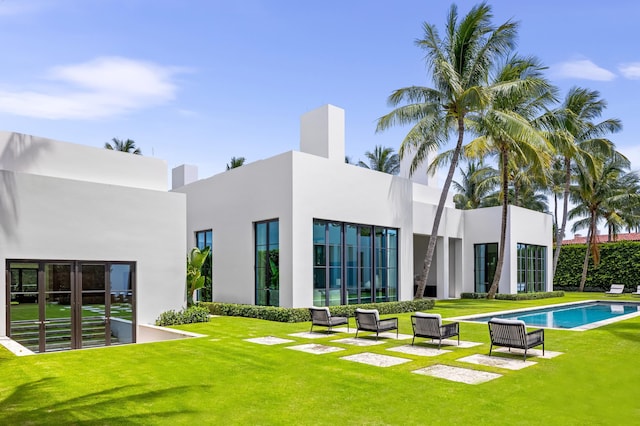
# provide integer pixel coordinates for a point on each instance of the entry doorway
(63, 305)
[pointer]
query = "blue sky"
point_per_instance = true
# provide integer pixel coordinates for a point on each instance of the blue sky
(198, 82)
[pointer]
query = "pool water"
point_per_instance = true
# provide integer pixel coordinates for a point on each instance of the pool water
(572, 316)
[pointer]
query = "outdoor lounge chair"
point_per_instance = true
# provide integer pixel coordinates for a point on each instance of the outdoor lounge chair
(616, 289)
(513, 334)
(369, 320)
(430, 326)
(322, 317)
(637, 292)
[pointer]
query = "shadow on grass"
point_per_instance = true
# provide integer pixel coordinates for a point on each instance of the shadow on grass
(31, 403)
(626, 331)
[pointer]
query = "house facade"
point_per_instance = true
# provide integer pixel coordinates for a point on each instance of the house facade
(91, 244)
(304, 228)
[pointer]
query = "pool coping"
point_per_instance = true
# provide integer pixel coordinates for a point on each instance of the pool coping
(467, 318)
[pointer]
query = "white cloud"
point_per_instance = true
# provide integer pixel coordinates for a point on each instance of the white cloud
(103, 87)
(631, 70)
(582, 69)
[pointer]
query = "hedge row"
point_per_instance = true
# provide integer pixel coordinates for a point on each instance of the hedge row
(518, 296)
(272, 313)
(186, 316)
(619, 264)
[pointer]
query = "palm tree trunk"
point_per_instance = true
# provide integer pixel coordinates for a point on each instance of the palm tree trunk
(428, 258)
(565, 209)
(503, 227)
(585, 265)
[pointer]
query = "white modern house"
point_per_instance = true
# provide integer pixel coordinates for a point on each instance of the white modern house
(91, 244)
(304, 228)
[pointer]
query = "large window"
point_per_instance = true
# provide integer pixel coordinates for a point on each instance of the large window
(532, 268)
(203, 240)
(267, 263)
(485, 261)
(354, 263)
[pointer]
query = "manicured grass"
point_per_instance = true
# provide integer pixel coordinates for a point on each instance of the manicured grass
(222, 379)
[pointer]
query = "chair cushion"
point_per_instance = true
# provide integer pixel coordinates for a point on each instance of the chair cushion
(321, 308)
(369, 311)
(507, 321)
(426, 315)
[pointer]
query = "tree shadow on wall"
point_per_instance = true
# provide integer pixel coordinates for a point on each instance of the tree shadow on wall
(19, 153)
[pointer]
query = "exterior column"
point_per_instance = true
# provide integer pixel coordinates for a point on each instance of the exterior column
(442, 247)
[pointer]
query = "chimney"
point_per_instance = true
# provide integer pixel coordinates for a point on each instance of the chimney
(183, 175)
(322, 132)
(420, 175)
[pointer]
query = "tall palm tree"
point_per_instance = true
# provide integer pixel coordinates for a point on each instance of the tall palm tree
(383, 160)
(578, 139)
(478, 181)
(599, 195)
(506, 130)
(124, 146)
(459, 66)
(235, 162)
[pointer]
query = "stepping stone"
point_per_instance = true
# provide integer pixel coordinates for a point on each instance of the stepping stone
(391, 335)
(457, 374)
(447, 342)
(344, 330)
(312, 335)
(359, 341)
(315, 349)
(418, 350)
(500, 362)
(376, 359)
(269, 340)
(531, 352)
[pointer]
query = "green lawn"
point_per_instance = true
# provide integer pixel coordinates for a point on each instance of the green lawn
(221, 379)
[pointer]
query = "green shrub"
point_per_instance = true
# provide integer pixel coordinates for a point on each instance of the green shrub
(272, 313)
(518, 296)
(186, 316)
(619, 264)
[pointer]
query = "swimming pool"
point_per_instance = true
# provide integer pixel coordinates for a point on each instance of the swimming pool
(568, 316)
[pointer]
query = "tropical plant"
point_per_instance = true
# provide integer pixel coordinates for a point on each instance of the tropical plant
(459, 65)
(195, 279)
(601, 195)
(477, 183)
(124, 146)
(383, 160)
(506, 130)
(235, 162)
(578, 140)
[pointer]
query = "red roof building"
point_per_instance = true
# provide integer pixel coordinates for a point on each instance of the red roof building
(579, 239)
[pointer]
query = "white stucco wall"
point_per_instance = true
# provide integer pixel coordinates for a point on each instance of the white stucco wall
(46, 157)
(61, 201)
(229, 204)
(523, 226)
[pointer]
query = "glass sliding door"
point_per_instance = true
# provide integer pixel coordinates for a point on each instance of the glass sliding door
(58, 307)
(121, 304)
(62, 305)
(94, 329)
(24, 312)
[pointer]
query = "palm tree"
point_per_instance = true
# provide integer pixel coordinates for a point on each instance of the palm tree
(577, 139)
(235, 162)
(459, 65)
(382, 160)
(124, 146)
(601, 195)
(507, 131)
(478, 181)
